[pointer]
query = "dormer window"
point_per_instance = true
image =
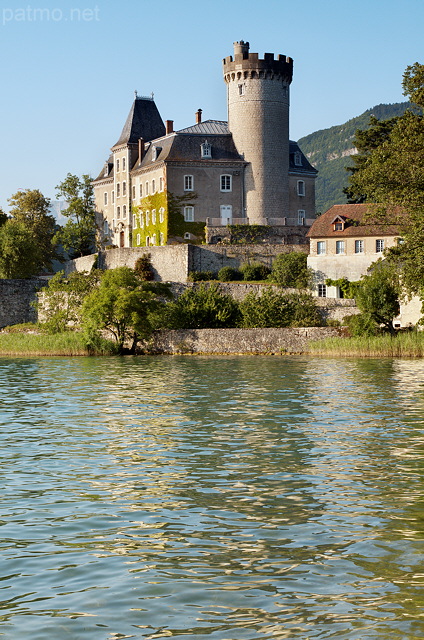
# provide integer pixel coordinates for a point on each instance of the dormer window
(206, 150)
(154, 153)
(297, 159)
(106, 173)
(339, 224)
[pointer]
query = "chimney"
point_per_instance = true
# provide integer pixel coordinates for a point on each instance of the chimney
(140, 150)
(169, 124)
(198, 116)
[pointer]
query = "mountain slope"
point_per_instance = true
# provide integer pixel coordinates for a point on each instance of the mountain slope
(330, 151)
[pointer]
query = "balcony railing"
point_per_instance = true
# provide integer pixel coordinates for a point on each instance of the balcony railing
(274, 222)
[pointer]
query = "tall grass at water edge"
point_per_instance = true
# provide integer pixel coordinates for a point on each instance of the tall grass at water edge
(402, 345)
(70, 343)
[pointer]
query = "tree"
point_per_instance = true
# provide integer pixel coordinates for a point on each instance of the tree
(78, 234)
(377, 297)
(203, 307)
(290, 270)
(32, 209)
(124, 306)
(20, 254)
(391, 174)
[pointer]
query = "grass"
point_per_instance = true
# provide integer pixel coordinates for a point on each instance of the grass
(70, 343)
(403, 345)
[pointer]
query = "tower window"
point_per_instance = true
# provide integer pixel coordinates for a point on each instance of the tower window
(300, 188)
(124, 188)
(118, 189)
(117, 164)
(188, 183)
(226, 183)
(123, 164)
(105, 198)
(301, 216)
(241, 89)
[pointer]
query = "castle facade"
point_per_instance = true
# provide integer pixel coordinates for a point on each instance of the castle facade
(161, 186)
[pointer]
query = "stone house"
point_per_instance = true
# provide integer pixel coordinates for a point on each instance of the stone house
(344, 243)
(161, 186)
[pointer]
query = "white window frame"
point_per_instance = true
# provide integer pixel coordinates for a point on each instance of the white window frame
(117, 165)
(161, 214)
(124, 211)
(154, 239)
(161, 184)
(147, 188)
(147, 218)
(359, 246)
(123, 164)
(141, 220)
(206, 150)
(113, 197)
(133, 192)
(188, 183)
(105, 198)
(301, 216)
(105, 227)
(188, 213)
(321, 248)
(118, 189)
(138, 239)
(379, 245)
(340, 247)
(297, 159)
(118, 212)
(141, 190)
(226, 182)
(301, 189)
(161, 239)
(134, 221)
(153, 216)
(124, 188)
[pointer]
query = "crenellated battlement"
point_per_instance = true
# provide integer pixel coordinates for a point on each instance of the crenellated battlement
(246, 64)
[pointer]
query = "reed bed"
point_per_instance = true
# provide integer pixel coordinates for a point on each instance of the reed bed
(403, 345)
(37, 344)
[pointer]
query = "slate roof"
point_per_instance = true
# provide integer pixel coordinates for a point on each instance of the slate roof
(185, 147)
(356, 223)
(143, 121)
(305, 166)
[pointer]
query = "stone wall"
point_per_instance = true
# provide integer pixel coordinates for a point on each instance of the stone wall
(16, 297)
(173, 263)
(237, 341)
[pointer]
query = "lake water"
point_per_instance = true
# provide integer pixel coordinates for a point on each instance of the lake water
(230, 498)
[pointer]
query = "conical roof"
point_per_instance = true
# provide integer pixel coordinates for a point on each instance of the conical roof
(143, 121)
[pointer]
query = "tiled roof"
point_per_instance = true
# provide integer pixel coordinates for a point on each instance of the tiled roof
(208, 127)
(358, 222)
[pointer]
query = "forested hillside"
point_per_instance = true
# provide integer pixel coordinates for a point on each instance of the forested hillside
(329, 151)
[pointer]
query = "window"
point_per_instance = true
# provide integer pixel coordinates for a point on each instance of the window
(379, 246)
(118, 212)
(189, 214)
(153, 216)
(301, 216)
(123, 164)
(117, 165)
(188, 183)
(340, 247)
(134, 221)
(160, 184)
(300, 188)
(187, 236)
(124, 188)
(321, 247)
(297, 159)
(206, 150)
(154, 153)
(113, 197)
(338, 226)
(105, 228)
(141, 220)
(154, 239)
(162, 238)
(241, 89)
(147, 241)
(322, 291)
(226, 183)
(105, 198)
(124, 211)
(141, 190)
(133, 192)
(138, 240)
(359, 246)
(118, 190)
(161, 214)
(147, 189)
(147, 218)
(153, 186)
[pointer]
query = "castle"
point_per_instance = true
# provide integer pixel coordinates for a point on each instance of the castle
(161, 186)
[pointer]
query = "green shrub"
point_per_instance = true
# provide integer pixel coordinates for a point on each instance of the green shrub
(255, 271)
(203, 307)
(201, 276)
(143, 267)
(362, 324)
(275, 309)
(228, 274)
(290, 270)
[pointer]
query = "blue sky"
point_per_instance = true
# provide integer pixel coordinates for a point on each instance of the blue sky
(69, 69)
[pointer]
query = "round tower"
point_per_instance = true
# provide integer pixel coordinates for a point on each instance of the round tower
(258, 118)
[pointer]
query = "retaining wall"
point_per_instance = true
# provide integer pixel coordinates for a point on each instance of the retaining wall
(16, 297)
(237, 341)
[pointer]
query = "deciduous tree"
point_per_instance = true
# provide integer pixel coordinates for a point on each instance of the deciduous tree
(78, 234)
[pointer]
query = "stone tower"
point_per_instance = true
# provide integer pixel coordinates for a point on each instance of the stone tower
(258, 118)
